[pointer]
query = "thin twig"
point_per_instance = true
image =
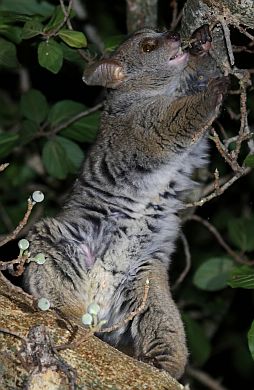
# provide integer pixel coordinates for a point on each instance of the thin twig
(226, 31)
(216, 181)
(85, 56)
(14, 334)
(244, 128)
(20, 268)
(132, 314)
(240, 49)
(220, 240)
(234, 92)
(76, 118)
(3, 166)
(246, 33)
(66, 13)
(231, 160)
(4, 265)
(219, 191)
(222, 130)
(205, 379)
(176, 16)
(187, 267)
(74, 344)
(210, 187)
(245, 137)
(71, 341)
(22, 223)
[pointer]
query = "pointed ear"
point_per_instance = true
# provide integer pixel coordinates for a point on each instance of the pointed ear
(107, 73)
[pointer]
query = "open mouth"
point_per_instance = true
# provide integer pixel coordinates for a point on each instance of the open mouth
(179, 55)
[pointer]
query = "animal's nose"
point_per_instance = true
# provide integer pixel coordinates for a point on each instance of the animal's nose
(174, 36)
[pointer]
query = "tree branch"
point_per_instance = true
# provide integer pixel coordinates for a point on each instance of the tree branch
(221, 241)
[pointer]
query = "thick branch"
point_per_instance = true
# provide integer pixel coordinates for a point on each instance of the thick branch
(95, 362)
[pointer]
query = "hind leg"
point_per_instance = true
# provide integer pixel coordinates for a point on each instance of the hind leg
(158, 331)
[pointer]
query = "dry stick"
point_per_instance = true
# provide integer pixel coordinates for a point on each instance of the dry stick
(75, 344)
(220, 240)
(132, 314)
(3, 166)
(85, 56)
(173, 4)
(226, 31)
(222, 130)
(244, 128)
(222, 189)
(210, 187)
(176, 16)
(216, 181)
(14, 334)
(234, 92)
(22, 223)
(243, 31)
(187, 267)
(67, 13)
(240, 49)
(76, 118)
(71, 340)
(66, 17)
(231, 160)
(205, 379)
(20, 268)
(4, 265)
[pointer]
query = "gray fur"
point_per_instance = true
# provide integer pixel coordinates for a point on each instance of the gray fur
(120, 224)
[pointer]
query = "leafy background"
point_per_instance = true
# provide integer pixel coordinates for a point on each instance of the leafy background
(46, 128)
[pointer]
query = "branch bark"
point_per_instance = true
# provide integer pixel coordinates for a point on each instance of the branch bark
(94, 361)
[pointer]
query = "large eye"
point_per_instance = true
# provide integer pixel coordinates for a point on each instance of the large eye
(149, 44)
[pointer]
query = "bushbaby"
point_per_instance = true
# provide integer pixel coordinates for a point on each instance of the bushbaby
(120, 223)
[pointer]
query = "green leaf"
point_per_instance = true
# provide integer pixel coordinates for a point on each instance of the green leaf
(8, 58)
(249, 161)
(7, 17)
(198, 342)
(72, 56)
(73, 38)
(251, 340)
(9, 112)
(27, 7)
(213, 274)
(31, 29)
(34, 106)
(50, 55)
(84, 130)
(113, 41)
(61, 156)
(54, 159)
(7, 142)
(57, 19)
(12, 33)
(74, 153)
(28, 131)
(63, 111)
(241, 233)
(242, 276)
